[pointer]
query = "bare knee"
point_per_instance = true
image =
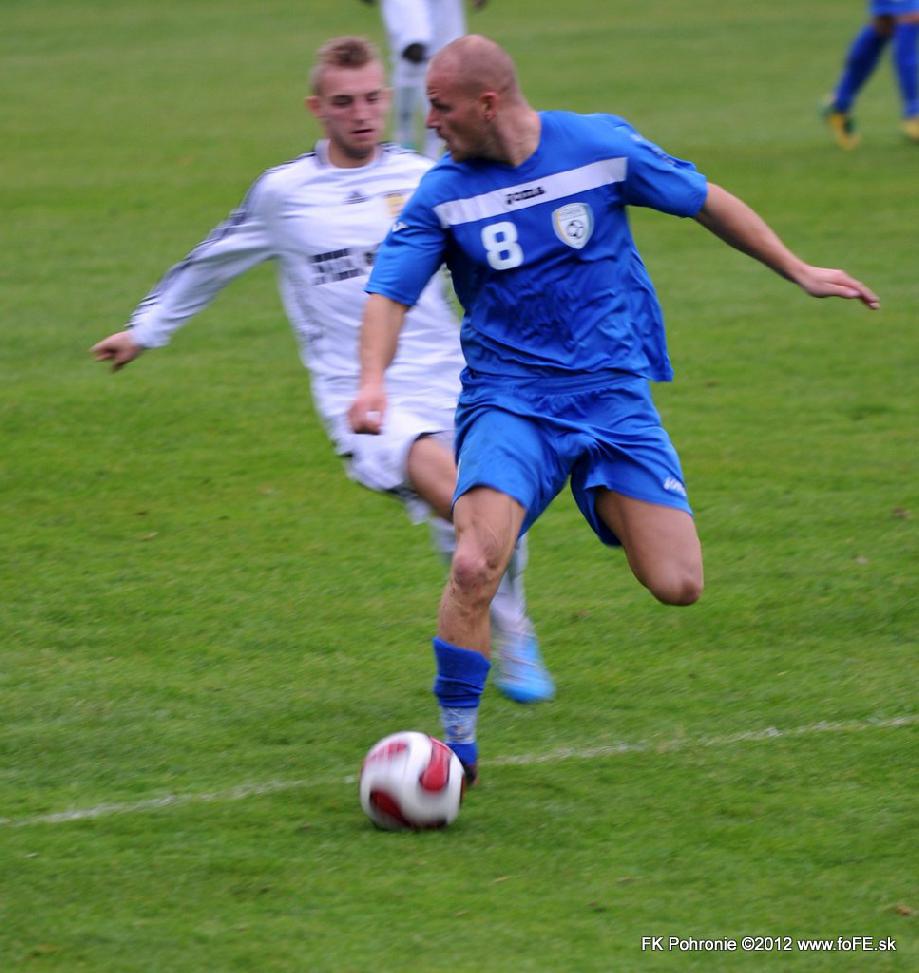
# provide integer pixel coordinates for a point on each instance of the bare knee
(487, 523)
(474, 575)
(677, 586)
(884, 24)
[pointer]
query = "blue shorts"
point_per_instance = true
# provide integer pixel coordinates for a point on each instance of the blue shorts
(528, 438)
(881, 8)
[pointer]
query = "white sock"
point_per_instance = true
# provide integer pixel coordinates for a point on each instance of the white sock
(459, 723)
(509, 606)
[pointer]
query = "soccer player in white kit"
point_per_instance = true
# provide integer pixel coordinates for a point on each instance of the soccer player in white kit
(321, 218)
(416, 30)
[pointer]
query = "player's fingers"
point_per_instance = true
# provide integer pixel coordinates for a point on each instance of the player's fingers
(842, 290)
(853, 290)
(868, 297)
(837, 283)
(363, 420)
(371, 422)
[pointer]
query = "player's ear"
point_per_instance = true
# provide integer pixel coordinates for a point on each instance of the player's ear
(314, 105)
(488, 102)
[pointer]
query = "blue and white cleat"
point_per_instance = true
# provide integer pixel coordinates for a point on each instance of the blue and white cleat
(522, 675)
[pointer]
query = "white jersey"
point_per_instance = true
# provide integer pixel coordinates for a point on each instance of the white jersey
(322, 224)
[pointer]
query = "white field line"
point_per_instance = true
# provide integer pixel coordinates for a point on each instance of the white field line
(244, 791)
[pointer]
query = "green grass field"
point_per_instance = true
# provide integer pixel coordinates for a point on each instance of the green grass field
(204, 625)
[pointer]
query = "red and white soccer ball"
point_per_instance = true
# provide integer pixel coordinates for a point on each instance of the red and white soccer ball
(411, 781)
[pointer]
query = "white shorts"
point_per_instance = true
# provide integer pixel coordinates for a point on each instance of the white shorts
(432, 23)
(379, 462)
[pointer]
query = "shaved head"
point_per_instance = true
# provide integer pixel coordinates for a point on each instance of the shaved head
(476, 64)
(477, 107)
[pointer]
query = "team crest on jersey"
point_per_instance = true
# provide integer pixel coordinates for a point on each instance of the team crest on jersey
(395, 201)
(574, 224)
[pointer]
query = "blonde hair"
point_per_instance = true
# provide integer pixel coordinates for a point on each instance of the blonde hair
(342, 52)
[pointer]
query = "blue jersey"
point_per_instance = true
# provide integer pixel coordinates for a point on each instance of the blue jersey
(541, 254)
(880, 8)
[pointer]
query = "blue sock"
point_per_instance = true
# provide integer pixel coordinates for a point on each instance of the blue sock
(905, 40)
(460, 682)
(861, 61)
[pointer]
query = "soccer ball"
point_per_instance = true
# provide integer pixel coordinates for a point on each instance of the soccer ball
(410, 781)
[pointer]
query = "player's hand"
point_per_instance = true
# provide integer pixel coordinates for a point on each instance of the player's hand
(119, 349)
(366, 412)
(826, 282)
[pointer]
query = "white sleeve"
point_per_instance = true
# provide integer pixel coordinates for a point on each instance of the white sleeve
(238, 244)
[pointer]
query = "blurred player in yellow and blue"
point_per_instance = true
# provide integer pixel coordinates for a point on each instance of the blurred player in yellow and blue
(895, 21)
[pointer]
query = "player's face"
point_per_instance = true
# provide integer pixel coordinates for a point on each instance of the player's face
(352, 105)
(456, 116)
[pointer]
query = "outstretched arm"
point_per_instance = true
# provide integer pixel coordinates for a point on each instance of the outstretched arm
(739, 226)
(119, 348)
(382, 324)
(239, 243)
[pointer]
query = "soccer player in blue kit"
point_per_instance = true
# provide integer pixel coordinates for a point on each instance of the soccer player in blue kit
(891, 20)
(562, 333)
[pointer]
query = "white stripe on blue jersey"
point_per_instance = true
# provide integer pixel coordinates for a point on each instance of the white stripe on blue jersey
(532, 193)
(542, 254)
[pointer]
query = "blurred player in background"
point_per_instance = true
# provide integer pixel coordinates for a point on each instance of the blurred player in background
(416, 30)
(562, 334)
(321, 217)
(895, 21)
